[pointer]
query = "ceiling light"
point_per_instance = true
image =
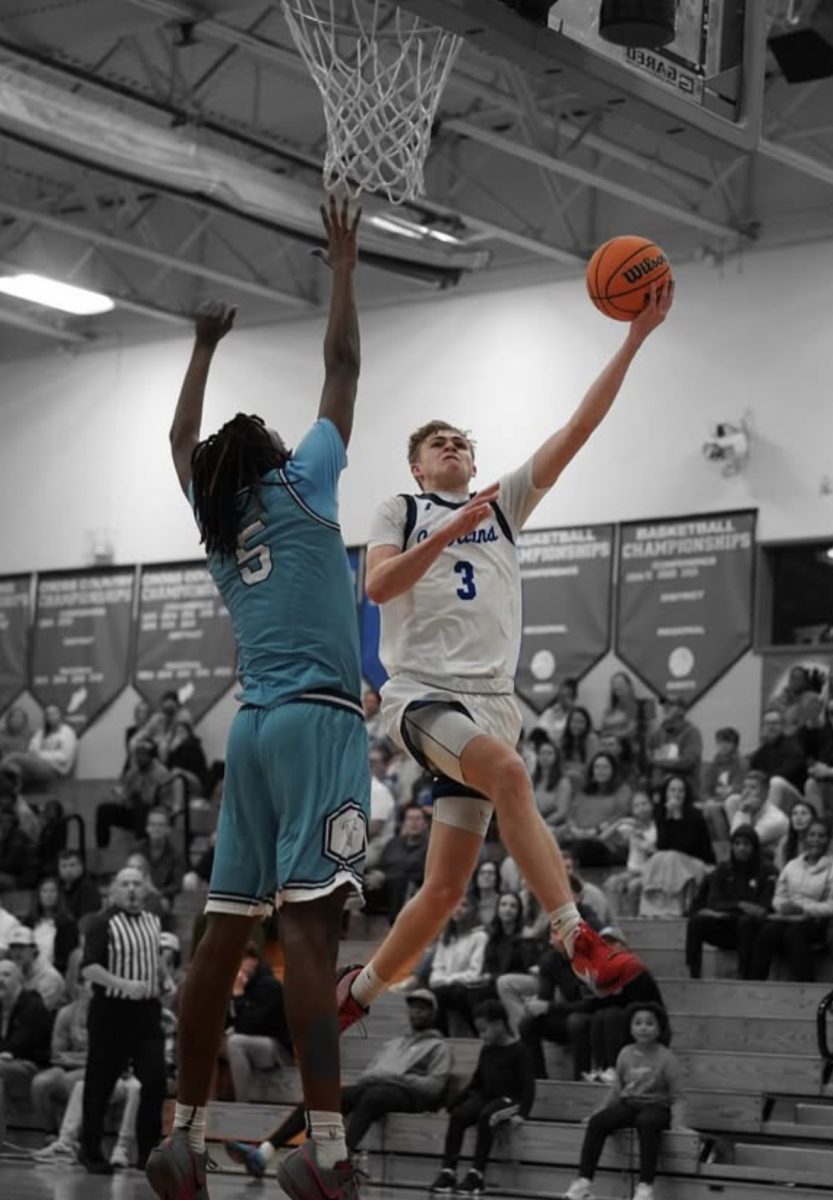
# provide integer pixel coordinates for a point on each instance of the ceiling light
(392, 226)
(828, 554)
(38, 289)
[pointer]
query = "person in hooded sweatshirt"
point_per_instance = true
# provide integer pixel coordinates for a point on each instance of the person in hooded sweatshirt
(733, 903)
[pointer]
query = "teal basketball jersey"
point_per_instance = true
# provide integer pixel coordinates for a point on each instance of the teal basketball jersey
(289, 588)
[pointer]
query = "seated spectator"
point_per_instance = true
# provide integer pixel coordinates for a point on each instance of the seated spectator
(401, 866)
(722, 778)
(794, 841)
(676, 748)
(372, 704)
(11, 790)
(593, 816)
(619, 716)
(257, 1037)
(485, 891)
(818, 746)
(51, 1087)
(56, 932)
(142, 713)
(186, 754)
(18, 862)
(500, 1092)
(797, 700)
(51, 838)
(754, 807)
(408, 1074)
(640, 832)
(733, 902)
(587, 894)
(136, 794)
(578, 745)
(165, 865)
(24, 1038)
(385, 766)
(782, 760)
(8, 925)
(80, 894)
(673, 874)
(200, 874)
(160, 727)
(802, 910)
(66, 1149)
(38, 975)
(51, 752)
(623, 754)
(507, 951)
(456, 964)
(553, 720)
(552, 789)
(15, 733)
(382, 806)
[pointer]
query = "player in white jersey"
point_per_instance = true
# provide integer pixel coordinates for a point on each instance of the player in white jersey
(444, 569)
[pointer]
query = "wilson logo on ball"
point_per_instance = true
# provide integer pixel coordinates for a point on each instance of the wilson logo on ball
(632, 274)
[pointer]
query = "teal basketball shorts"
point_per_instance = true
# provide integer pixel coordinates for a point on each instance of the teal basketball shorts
(296, 802)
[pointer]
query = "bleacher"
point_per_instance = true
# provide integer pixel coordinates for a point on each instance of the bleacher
(754, 1077)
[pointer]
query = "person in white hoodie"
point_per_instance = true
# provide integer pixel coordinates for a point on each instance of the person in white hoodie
(51, 754)
(802, 910)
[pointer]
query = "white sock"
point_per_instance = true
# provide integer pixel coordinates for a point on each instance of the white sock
(565, 922)
(191, 1117)
(327, 1131)
(368, 986)
(267, 1150)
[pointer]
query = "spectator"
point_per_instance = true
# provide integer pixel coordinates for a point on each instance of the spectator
(160, 728)
(51, 752)
(9, 925)
(201, 872)
(372, 703)
(121, 961)
(733, 902)
(797, 700)
(51, 838)
(795, 840)
(142, 712)
(588, 895)
(24, 1038)
(15, 734)
(640, 831)
(553, 721)
(507, 951)
(186, 754)
(38, 976)
(551, 787)
(609, 1020)
(18, 862)
(781, 759)
(11, 795)
(673, 874)
(619, 716)
(408, 1074)
(51, 1087)
(754, 807)
(594, 813)
(485, 892)
(818, 746)
(56, 932)
(457, 963)
(137, 793)
(646, 1095)
(258, 1034)
(724, 774)
(500, 1092)
(79, 893)
(676, 748)
(401, 865)
(382, 804)
(165, 865)
(578, 744)
(624, 756)
(802, 909)
(66, 1149)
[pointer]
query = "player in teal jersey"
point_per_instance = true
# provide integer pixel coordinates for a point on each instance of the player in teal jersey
(293, 823)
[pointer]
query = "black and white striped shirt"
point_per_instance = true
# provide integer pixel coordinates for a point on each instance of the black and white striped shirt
(126, 945)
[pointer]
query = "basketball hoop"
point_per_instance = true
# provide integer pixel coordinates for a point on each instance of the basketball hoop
(380, 76)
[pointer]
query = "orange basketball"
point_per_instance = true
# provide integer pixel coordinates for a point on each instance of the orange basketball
(620, 275)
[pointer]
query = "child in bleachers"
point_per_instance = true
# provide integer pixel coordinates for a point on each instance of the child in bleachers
(640, 830)
(501, 1091)
(646, 1096)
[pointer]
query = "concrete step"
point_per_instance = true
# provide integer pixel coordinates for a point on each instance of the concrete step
(814, 1114)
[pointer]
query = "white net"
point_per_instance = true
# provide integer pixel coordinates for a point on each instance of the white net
(381, 73)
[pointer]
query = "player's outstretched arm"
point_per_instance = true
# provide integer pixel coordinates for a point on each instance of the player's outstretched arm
(553, 456)
(342, 345)
(213, 322)
(391, 571)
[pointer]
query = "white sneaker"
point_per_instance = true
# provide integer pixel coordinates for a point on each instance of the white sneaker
(608, 1076)
(581, 1189)
(120, 1157)
(644, 1191)
(56, 1152)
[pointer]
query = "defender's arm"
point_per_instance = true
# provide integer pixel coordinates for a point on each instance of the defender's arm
(342, 344)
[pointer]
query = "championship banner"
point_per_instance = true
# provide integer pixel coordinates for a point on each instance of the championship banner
(15, 613)
(185, 642)
(81, 645)
(684, 613)
(566, 577)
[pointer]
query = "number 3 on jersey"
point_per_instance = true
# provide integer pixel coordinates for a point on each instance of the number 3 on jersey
(255, 562)
(467, 589)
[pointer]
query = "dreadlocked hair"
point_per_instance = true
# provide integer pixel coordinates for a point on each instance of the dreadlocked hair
(226, 472)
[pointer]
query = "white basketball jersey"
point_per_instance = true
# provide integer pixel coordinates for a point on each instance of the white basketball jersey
(460, 625)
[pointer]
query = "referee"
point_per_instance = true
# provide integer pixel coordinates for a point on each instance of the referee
(121, 961)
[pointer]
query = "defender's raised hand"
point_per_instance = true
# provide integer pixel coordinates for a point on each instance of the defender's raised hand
(214, 319)
(342, 233)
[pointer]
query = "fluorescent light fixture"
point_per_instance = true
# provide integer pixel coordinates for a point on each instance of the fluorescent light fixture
(410, 229)
(38, 289)
(828, 554)
(440, 235)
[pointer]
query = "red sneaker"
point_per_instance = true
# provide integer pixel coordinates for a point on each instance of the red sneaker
(349, 1009)
(603, 968)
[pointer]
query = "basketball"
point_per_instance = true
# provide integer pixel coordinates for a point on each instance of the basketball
(620, 275)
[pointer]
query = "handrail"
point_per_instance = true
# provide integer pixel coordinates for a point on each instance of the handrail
(825, 1049)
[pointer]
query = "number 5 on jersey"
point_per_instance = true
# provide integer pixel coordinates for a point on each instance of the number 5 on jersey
(261, 568)
(467, 589)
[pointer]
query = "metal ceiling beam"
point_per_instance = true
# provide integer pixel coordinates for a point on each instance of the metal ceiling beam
(539, 159)
(20, 320)
(186, 266)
